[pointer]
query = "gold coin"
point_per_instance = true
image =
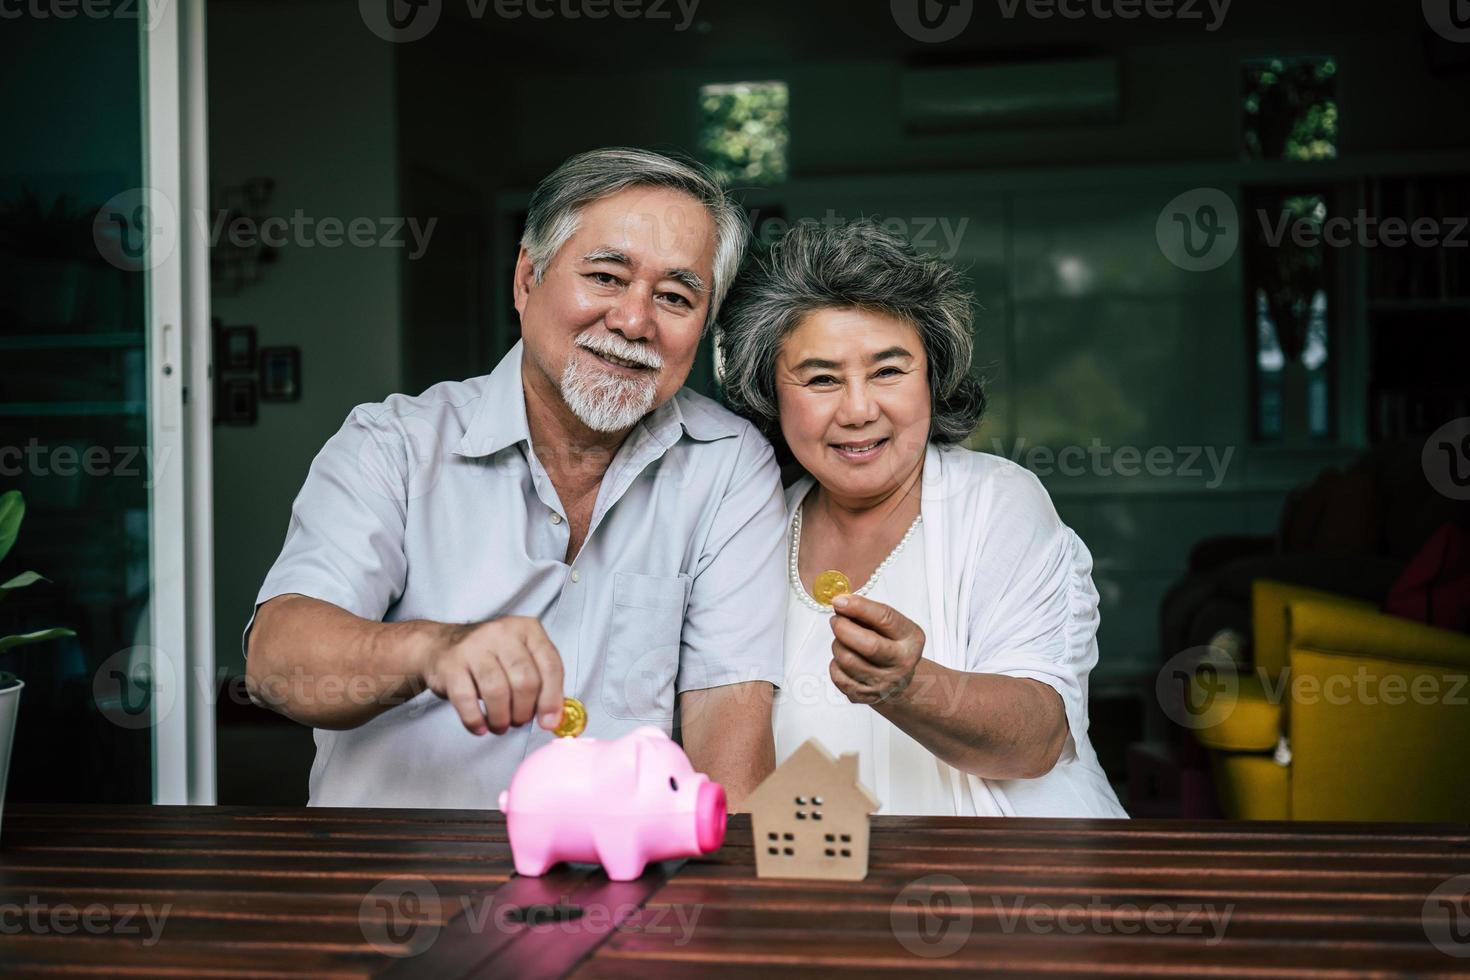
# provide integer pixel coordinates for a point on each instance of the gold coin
(829, 585)
(573, 719)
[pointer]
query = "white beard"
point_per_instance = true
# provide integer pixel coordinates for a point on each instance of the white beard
(603, 401)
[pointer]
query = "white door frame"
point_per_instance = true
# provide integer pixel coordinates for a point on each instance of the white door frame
(180, 398)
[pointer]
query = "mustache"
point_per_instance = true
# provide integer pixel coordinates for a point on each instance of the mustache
(621, 347)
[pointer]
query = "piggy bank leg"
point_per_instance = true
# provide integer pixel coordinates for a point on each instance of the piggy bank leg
(533, 852)
(533, 865)
(619, 856)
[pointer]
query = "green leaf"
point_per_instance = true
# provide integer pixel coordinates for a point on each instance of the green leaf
(40, 636)
(21, 581)
(12, 509)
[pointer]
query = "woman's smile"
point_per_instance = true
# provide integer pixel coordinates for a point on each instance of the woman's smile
(860, 452)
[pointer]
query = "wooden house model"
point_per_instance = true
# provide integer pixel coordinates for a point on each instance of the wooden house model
(810, 818)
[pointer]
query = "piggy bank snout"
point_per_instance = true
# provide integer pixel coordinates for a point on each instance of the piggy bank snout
(710, 815)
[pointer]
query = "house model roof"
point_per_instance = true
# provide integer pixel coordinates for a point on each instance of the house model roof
(811, 768)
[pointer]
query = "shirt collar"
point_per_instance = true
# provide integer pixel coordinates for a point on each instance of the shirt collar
(501, 422)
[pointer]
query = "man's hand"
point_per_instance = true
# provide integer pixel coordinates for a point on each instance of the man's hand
(510, 664)
(875, 651)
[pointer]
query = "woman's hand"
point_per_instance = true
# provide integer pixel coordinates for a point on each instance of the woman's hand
(876, 649)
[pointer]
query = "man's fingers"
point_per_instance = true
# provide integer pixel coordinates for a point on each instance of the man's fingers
(460, 690)
(877, 616)
(548, 664)
(495, 691)
(525, 683)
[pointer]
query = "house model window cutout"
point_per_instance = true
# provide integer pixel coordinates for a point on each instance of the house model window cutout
(810, 818)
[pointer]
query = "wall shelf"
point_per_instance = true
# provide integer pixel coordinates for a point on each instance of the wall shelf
(36, 410)
(71, 341)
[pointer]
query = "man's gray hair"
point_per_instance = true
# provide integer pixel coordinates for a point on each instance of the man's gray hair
(556, 205)
(861, 266)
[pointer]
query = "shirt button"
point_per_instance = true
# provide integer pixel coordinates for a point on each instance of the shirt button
(555, 517)
(576, 576)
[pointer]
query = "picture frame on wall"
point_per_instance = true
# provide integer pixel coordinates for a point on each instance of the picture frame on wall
(280, 374)
(236, 349)
(238, 402)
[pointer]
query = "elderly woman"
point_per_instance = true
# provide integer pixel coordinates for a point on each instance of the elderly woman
(957, 666)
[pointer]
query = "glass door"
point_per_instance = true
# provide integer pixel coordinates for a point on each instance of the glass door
(103, 285)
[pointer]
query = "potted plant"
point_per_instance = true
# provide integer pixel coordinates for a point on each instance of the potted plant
(12, 510)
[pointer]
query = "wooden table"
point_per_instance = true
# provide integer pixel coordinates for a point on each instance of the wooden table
(244, 891)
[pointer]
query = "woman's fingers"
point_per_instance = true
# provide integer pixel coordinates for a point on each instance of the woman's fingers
(853, 664)
(862, 640)
(877, 616)
(854, 691)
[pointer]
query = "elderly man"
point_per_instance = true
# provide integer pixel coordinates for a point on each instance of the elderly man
(574, 522)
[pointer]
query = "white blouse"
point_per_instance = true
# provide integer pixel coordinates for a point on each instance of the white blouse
(1015, 597)
(905, 776)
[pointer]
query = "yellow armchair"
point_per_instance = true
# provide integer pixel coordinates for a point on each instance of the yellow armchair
(1348, 714)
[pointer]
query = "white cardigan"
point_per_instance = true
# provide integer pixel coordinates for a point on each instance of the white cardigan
(1010, 592)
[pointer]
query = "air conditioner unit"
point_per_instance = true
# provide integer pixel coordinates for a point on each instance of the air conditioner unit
(1011, 96)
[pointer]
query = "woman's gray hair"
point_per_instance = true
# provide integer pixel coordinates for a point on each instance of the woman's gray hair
(857, 265)
(557, 203)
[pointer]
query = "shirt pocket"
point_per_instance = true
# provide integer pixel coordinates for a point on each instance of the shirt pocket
(643, 646)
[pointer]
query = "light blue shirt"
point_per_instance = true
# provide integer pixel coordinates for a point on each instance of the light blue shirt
(435, 507)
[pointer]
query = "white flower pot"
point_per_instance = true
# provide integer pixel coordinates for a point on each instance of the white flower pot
(9, 708)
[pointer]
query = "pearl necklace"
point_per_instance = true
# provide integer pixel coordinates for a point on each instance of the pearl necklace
(800, 590)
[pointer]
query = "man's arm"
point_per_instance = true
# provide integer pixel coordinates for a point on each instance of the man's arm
(727, 736)
(318, 664)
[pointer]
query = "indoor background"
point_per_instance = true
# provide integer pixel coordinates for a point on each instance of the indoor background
(1211, 400)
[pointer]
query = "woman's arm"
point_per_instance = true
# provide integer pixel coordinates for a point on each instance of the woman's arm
(991, 725)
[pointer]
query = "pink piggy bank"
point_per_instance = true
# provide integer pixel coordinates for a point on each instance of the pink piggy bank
(619, 803)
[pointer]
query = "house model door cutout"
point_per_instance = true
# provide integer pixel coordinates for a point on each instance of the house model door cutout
(810, 818)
